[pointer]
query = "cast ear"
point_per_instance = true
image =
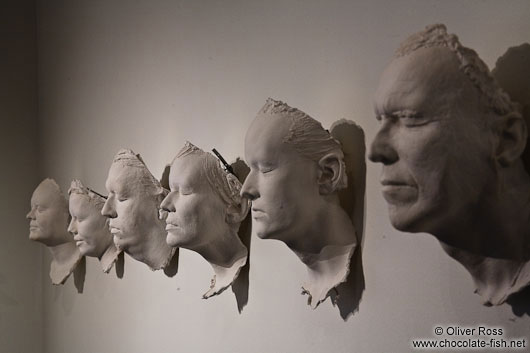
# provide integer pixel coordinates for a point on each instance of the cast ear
(236, 214)
(330, 173)
(512, 134)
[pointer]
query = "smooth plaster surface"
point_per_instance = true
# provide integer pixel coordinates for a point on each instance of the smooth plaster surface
(150, 75)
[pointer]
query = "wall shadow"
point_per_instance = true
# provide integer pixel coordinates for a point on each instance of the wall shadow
(241, 283)
(348, 295)
(512, 72)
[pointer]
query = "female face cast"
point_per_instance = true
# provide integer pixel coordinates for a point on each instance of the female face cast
(88, 226)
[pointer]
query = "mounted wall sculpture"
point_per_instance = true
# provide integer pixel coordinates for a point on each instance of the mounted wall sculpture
(450, 143)
(205, 211)
(296, 171)
(48, 225)
(89, 227)
(133, 208)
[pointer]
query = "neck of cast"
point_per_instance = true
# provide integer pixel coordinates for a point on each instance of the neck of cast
(154, 251)
(65, 258)
(109, 257)
(494, 244)
(326, 248)
(226, 254)
(499, 224)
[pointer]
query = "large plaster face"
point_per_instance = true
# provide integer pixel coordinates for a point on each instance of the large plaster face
(433, 142)
(132, 210)
(196, 213)
(282, 184)
(88, 226)
(48, 215)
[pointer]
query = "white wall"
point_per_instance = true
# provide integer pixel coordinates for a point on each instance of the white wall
(20, 260)
(150, 74)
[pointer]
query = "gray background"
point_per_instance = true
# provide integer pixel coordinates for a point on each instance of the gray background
(149, 75)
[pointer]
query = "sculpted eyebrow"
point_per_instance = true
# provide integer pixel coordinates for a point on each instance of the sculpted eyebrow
(406, 113)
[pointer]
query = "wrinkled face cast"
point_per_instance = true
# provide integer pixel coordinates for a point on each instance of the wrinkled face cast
(48, 215)
(434, 142)
(282, 184)
(88, 226)
(131, 206)
(196, 214)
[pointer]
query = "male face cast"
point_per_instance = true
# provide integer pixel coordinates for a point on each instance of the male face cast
(282, 184)
(434, 142)
(48, 215)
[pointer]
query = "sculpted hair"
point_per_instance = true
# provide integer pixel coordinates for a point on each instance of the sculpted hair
(77, 187)
(470, 64)
(225, 184)
(128, 158)
(307, 136)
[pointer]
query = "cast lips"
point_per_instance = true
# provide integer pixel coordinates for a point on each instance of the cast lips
(170, 227)
(257, 213)
(395, 191)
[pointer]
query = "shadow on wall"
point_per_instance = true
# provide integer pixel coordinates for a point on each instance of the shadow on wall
(241, 283)
(351, 136)
(512, 72)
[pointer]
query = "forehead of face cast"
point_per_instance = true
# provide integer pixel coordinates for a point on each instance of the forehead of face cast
(187, 172)
(128, 176)
(282, 131)
(49, 195)
(428, 79)
(194, 171)
(82, 200)
(432, 72)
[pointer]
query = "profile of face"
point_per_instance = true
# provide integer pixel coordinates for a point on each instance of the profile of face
(87, 225)
(132, 203)
(195, 212)
(48, 215)
(283, 184)
(434, 141)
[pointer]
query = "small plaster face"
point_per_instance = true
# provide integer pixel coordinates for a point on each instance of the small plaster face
(88, 226)
(196, 214)
(48, 215)
(132, 210)
(432, 142)
(282, 184)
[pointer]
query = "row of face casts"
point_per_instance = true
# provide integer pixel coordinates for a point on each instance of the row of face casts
(450, 142)
(296, 169)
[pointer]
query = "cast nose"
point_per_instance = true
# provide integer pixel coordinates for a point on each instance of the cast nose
(31, 214)
(249, 189)
(108, 209)
(72, 227)
(382, 150)
(167, 203)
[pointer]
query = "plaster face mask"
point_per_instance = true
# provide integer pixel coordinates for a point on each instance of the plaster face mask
(450, 143)
(89, 227)
(205, 212)
(133, 207)
(48, 215)
(48, 225)
(431, 142)
(296, 167)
